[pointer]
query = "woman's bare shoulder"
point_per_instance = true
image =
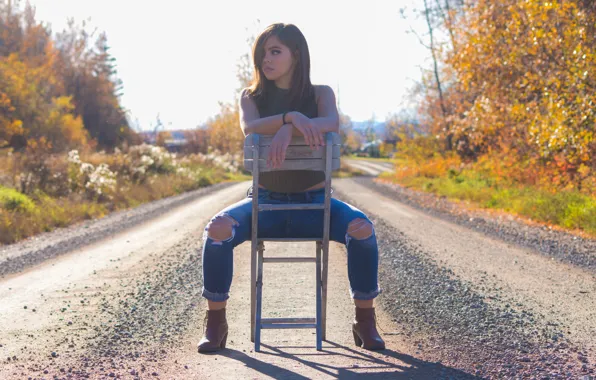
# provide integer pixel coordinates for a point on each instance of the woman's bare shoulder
(321, 90)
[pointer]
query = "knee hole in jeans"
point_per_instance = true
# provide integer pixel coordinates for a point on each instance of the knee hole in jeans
(221, 228)
(360, 229)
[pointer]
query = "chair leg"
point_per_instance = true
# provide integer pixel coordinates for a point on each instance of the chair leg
(259, 298)
(253, 290)
(324, 291)
(319, 300)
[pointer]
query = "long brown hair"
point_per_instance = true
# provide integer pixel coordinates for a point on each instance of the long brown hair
(292, 37)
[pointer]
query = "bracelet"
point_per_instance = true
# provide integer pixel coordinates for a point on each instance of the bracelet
(283, 118)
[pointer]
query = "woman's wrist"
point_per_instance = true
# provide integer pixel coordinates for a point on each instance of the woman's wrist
(290, 116)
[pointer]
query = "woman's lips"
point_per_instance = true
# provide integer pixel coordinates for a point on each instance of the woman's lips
(268, 69)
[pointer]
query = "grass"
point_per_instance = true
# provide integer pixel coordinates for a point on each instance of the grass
(567, 209)
(22, 216)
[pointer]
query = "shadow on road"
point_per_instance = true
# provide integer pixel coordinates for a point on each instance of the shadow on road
(375, 367)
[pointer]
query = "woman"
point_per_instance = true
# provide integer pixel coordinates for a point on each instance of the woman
(282, 102)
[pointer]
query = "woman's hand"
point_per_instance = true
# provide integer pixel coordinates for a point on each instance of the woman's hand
(312, 135)
(279, 145)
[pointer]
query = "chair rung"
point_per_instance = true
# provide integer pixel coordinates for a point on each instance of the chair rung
(288, 320)
(305, 206)
(289, 239)
(289, 259)
(288, 325)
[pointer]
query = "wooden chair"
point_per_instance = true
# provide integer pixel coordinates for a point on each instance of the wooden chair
(299, 156)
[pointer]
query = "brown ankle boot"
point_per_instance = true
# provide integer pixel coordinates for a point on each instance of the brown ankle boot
(365, 330)
(216, 333)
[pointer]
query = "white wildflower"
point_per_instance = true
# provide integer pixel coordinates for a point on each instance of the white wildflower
(147, 161)
(73, 157)
(86, 168)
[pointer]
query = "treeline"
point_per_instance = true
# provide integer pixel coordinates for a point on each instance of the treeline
(57, 92)
(515, 81)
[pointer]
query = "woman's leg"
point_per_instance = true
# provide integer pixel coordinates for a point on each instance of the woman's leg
(223, 232)
(220, 228)
(353, 228)
(226, 230)
(361, 228)
(230, 227)
(365, 304)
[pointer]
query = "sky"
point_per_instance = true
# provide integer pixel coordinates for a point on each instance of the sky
(179, 58)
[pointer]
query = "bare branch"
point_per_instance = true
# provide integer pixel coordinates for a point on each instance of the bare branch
(419, 39)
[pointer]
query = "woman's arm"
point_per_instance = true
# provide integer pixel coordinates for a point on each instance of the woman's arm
(250, 122)
(328, 119)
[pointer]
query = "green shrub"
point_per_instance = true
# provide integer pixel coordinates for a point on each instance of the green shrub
(11, 199)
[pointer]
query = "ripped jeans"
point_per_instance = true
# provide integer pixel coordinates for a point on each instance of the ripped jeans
(363, 255)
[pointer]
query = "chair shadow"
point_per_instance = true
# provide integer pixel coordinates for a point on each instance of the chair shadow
(411, 368)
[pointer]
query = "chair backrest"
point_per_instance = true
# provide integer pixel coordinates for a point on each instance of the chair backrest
(299, 156)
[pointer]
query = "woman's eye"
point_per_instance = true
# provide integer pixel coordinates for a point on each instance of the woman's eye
(275, 51)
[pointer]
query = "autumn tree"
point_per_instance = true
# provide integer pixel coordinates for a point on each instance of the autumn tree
(519, 81)
(350, 139)
(532, 67)
(35, 110)
(89, 74)
(224, 129)
(56, 93)
(197, 140)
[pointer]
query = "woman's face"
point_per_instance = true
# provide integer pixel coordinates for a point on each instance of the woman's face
(277, 61)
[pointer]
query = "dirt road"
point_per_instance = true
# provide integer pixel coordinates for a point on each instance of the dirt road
(455, 304)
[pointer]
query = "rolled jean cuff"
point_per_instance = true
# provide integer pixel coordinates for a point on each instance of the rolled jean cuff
(215, 297)
(358, 295)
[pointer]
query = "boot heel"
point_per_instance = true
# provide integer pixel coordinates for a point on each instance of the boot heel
(357, 340)
(223, 341)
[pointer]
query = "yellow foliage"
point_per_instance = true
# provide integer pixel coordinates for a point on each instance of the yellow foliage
(224, 132)
(523, 81)
(50, 84)
(386, 149)
(47, 122)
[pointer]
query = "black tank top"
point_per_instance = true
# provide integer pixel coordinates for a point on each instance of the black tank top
(288, 181)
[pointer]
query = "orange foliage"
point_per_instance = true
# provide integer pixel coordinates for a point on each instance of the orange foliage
(223, 130)
(521, 89)
(55, 93)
